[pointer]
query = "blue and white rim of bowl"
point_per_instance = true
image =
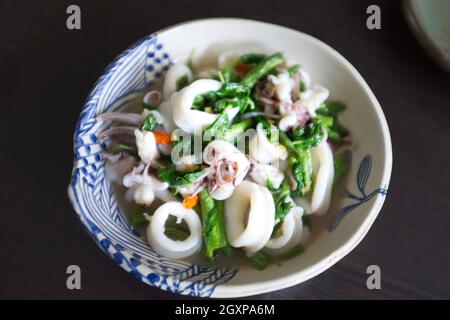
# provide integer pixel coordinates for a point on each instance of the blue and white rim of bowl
(91, 192)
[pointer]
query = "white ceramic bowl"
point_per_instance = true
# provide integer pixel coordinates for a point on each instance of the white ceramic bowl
(334, 235)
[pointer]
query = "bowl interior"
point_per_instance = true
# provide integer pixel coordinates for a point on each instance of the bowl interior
(334, 235)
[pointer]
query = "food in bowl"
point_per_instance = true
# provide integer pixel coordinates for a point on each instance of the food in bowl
(232, 158)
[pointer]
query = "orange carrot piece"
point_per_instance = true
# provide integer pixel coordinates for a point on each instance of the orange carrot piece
(162, 137)
(191, 202)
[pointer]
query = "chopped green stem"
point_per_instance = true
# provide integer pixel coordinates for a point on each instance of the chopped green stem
(262, 69)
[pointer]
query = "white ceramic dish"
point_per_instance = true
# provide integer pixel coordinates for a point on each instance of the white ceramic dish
(334, 235)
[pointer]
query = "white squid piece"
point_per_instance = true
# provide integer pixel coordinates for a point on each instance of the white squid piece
(321, 196)
(230, 166)
(300, 234)
(144, 186)
(260, 173)
(249, 217)
(166, 110)
(283, 84)
(193, 121)
(264, 151)
(146, 145)
(170, 248)
(173, 75)
(284, 234)
(313, 98)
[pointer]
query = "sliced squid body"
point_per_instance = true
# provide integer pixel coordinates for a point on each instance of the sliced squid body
(173, 75)
(286, 241)
(169, 248)
(264, 151)
(187, 119)
(166, 110)
(249, 217)
(320, 200)
(261, 173)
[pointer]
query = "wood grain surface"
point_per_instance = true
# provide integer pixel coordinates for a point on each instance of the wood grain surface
(46, 72)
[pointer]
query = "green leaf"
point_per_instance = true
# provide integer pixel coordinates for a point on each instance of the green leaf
(259, 260)
(261, 69)
(309, 136)
(138, 220)
(176, 233)
(182, 82)
(218, 129)
(282, 207)
(292, 70)
(235, 131)
(175, 178)
(341, 167)
(250, 58)
(213, 222)
(307, 222)
(295, 251)
(149, 123)
(330, 108)
(131, 150)
(302, 172)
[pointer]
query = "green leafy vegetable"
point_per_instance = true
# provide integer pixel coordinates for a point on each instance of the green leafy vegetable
(306, 222)
(261, 69)
(176, 178)
(341, 167)
(149, 123)
(131, 150)
(218, 129)
(302, 86)
(292, 70)
(250, 58)
(309, 136)
(261, 260)
(330, 108)
(282, 207)
(235, 131)
(176, 233)
(138, 220)
(182, 82)
(212, 214)
(302, 172)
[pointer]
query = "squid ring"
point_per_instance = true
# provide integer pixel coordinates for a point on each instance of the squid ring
(171, 248)
(193, 121)
(321, 196)
(172, 76)
(287, 232)
(264, 151)
(257, 202)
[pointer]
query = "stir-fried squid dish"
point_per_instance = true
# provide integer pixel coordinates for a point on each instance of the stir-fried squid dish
(230, 159)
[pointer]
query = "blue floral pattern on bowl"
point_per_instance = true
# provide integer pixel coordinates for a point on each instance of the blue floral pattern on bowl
(361, 180)
(91, 193)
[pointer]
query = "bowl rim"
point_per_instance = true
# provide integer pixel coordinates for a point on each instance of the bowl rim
(241, 290)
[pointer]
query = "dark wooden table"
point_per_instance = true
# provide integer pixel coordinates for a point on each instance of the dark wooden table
(46, 71)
